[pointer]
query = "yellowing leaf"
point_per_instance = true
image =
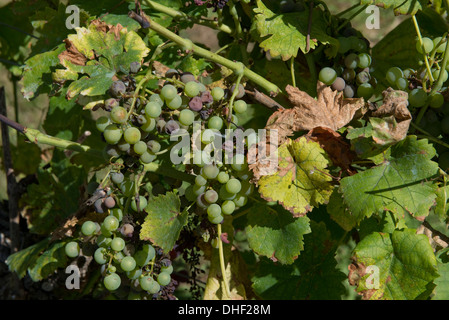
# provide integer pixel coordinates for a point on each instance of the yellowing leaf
(302, 181)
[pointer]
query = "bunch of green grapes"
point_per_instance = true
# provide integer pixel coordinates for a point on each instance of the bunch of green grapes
(350, 72)
(134, 268)
(137, 132)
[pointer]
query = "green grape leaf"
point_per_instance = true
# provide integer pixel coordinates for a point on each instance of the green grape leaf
(302, 181)
(98, 52)
(51, 259)
(400, 6)
(20, 261)
(313, 276)
(403, 261)
(37, 71)
(401, 184)
(442, 206)
(164, 221)
(284, 34)
(441, 290)
(55, 196)
(273, 232)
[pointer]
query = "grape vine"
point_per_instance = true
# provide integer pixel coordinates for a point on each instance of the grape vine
(289, 156)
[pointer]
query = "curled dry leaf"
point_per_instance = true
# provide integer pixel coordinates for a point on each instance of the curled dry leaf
(72, 54)
(330, 110)
(395, 115)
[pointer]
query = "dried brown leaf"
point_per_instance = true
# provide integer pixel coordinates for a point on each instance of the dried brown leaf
(330, 110)
(396, 115)
(72, 54)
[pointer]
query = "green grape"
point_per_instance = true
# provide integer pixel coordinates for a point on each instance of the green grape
(233, 186)
(174, 103)
(142, 203)
(154, 146)
(365, 90)
(140, 147)
(147, 157)
(247, 188)
(168, 92)
(142, 258)
(202, 87)
(364, 60)
(118, 213)
(217, 93)
(436, 74)
(427, 43)
(200, 180)
(111, 269)
(402, 84)
(208, 136)
(104, 231)
(102, 123)
(210, 171)
(186, 117)
(215, 122)
(197, 190)
(72, 249)
(228, 207)
(440, 48)
(327, 75)
(123, 146)
(436, 100)
(117, 177)
(154, 287)
(103, 241)
(223, 177)
(201, 158)
(99, 256)
(88, 228)
(132, 135)
(153, 109)
(393, 74)
(163, 278)
(214, 210)
(128, 263)
(224, 194)
(146, 282)
(149, 250)
(134, 274)
(118, 244)
(417, 98)
(112, 281)
(119, 115)
(118, 256)
(351, 61)
(348, 75)
(156, 98)
(112, 134)
(408, 73)
(167, 269)
(215, 220)
(211, 196)
(240, 200)
(149, 125)
(110, 223)
(240, 106)
(191, 89)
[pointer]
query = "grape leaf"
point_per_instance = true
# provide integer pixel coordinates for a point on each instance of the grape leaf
(330, 110)
(36, 70)
(401, 184)
(400, 6)
(284, 34)
(20, 261)
(164, 221)
(441, 290)
(301, 181)
(312, 276)
(51, 259)
(273, 232)
(108, 50)
(405, 261)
